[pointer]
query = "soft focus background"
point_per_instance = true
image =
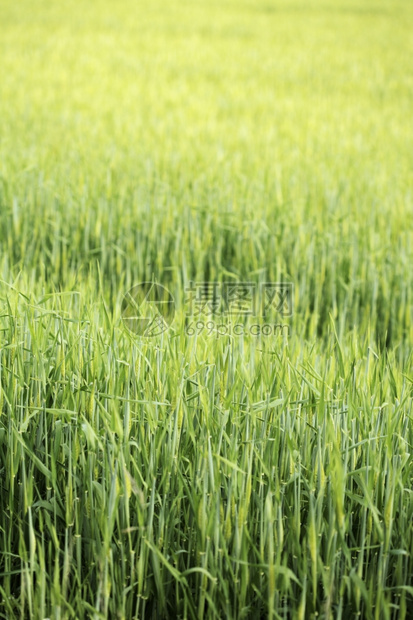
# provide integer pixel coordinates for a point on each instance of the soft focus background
(207, 476)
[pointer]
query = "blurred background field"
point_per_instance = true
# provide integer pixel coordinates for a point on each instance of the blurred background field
(207, 476)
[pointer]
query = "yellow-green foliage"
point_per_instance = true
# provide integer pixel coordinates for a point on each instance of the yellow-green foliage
(206, 476)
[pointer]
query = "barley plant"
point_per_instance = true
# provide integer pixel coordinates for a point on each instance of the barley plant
(206, 474)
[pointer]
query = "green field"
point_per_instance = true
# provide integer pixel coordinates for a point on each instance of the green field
(206, 474)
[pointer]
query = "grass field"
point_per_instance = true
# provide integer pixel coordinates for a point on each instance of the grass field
(209, 475)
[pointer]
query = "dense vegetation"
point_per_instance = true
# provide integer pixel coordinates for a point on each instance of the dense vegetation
(206, 476)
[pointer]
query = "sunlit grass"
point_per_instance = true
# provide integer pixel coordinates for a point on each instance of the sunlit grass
(206, 476)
